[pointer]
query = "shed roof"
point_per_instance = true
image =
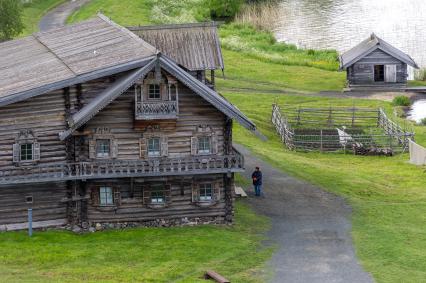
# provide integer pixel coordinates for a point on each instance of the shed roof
(65, 53)
(194, 46)
(367, 46)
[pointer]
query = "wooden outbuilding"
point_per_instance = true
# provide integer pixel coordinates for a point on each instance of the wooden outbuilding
(376, 63)
(99, 128)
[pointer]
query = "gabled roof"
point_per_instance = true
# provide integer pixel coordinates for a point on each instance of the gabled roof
(121, 85)
(66, 53)
(369, 45)
(193, 46)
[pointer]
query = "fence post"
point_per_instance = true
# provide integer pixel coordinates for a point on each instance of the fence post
(30, 222)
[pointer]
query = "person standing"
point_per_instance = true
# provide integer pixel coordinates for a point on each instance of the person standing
(257, 181)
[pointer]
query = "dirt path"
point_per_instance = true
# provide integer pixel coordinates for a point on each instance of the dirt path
(310, 226)
(58, 16)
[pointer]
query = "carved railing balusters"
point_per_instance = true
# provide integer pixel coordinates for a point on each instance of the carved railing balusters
(149, 110)
(123, 168)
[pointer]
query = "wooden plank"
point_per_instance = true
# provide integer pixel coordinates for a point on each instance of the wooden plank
(210, 274)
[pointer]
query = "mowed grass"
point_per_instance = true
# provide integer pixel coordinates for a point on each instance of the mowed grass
(34, 11)
(124, 12)
(246, 73)
(388, 195)
(178, 254)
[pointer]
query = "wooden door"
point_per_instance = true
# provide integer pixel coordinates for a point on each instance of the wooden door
(390, 73)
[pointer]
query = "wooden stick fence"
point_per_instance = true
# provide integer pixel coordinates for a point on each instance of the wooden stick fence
(364, 130)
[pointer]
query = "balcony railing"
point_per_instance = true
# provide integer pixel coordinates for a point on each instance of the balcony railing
(156, 110)
(124, 168)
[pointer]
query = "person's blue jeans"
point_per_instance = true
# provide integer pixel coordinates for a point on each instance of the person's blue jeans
(257, 190)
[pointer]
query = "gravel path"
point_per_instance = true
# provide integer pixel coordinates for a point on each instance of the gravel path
(58, 16)
(310, 226)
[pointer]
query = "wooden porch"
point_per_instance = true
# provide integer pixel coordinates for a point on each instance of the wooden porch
(192, 165)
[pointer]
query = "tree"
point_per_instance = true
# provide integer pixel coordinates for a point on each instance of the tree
(10, 19)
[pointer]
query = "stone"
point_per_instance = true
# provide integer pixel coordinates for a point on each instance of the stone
(92, 229)
(76, 229)
(98, 227)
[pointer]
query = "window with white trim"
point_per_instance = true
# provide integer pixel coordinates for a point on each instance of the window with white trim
(106, 196)
(103, 148)
(154, 91)
(204, 145)
(205, 193)
(158, 197)
(26, 149)
(154, 147)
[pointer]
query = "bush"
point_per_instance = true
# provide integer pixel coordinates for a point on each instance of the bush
(224, 8)
(423, 122)
(401, 100)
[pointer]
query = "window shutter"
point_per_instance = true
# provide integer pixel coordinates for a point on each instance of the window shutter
(146, 194)
(95, 196)
(195, 192)
(214, 144)
(16, 153)
(168, 193)
(164, 146)
(92, 148)
(194, 145)
(36, 148)
(114, 148)
(216, 191)
(143, 148)
(117, 196)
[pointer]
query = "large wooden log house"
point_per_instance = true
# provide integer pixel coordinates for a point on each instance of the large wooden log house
(100, 125)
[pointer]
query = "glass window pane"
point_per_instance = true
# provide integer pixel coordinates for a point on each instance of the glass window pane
(154, 147)
(105, 196)
(206, 192)
(204, 145)
(154, 91)
(26, 151)
(103, 148)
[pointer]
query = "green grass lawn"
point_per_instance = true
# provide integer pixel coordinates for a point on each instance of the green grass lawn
(388, 195)
(178, 254)
(33, 12)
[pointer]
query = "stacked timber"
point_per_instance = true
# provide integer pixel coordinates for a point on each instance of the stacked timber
(360, 149)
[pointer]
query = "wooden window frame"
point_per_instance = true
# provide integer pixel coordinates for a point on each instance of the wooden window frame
(144, 144)
(154, 153)
(104, 156)
(163, 187)
(216, 187)
(107, 203)
(203, 131)
(103, 134)
(209, 142)
(156, 90)
(26, 137)
(96, 195)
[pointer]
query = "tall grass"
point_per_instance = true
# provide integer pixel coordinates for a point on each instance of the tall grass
(262, 45)
(259, 15)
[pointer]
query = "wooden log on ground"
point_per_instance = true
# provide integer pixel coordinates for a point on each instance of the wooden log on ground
(210, 274)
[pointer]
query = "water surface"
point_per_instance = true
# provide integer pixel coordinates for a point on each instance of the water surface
(417, 111)
(341, 24)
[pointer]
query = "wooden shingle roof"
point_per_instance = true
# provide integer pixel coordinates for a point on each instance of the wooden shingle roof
(66, 53)
(369, 45)
(194, 46)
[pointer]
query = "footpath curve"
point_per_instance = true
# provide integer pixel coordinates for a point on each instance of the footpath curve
(57, 17)
(310, 226)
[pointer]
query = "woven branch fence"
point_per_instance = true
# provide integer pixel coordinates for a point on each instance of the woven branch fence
(363, 130)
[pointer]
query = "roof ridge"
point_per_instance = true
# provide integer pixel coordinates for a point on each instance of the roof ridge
(53, 53)
(176, 26)
(128, 32)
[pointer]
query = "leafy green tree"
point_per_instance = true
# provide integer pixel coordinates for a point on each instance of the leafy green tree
(10, 19)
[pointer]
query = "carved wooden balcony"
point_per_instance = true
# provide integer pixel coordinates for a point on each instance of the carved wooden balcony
(193, 165)
(162, 110)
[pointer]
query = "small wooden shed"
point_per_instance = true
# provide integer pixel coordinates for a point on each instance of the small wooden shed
(376, 63)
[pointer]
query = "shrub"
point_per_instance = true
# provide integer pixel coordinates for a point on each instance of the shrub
(401, 100)
(423, 122)
(224, 8)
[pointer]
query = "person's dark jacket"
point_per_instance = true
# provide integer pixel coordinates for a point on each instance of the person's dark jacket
(258, 176)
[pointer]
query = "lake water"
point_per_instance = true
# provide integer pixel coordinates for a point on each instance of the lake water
(341, 24)
(417, 111)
